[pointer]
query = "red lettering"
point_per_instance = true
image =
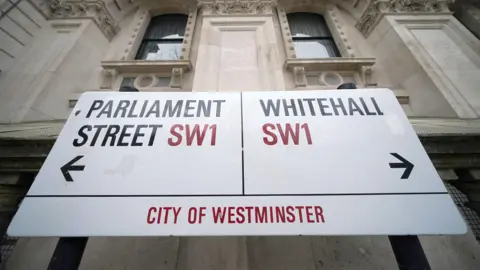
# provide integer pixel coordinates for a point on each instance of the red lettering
(218, 214)
(191, 134)
(202, 214)
(291, 215)
(159, 217)
(266, 140)
(307, 133)
(240, 215)
(309, 214)
(300, 215)
(214, 134)
(319, 214)
(289, 133)
(231, 214)
(176, 134)
(280, 213)
(249, 214)
(192, 215)
(167, 209)
(150, 220)
(260, 217)
(175, 214)
(271, 214)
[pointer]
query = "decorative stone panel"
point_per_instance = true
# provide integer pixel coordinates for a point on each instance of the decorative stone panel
(86, 9)
(330, 79)
(189, 31)
(287, 35)
(335, 21)
(147, 81)
(136, 31)
(377, 8)
(237, 7)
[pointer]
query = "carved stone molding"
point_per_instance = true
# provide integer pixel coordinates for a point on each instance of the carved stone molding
(299, 77)
(85, 9)
(109, 76)
(377, 8)
(177, 75)
(240, 7)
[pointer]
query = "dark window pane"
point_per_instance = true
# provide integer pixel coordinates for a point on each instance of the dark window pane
(127, 81)
(315, 48)
(308, 25)
(167, 27)
(158, 50)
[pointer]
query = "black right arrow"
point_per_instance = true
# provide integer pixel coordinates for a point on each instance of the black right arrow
(70, 167)
(403, 164)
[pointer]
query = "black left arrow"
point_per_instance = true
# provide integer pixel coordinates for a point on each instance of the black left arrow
(70, 167)
(403, 164)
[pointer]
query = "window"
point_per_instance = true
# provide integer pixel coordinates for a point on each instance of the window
(311, 36)
(163, 38)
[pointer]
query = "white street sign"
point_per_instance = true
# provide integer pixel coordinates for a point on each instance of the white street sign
(253, 163)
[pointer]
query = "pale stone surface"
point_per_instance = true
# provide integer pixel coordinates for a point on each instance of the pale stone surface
(282, 253)
(246, 55)
(130, 253)
(452, 252)
(212, 253)
(353, 252)
(32, 254)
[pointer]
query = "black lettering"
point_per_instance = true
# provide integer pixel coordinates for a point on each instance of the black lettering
(137, 135)
(154, 132)
(323, 106)
(155, 109)
(291, 106)
(97, 132)
(144, 107)
(171, 111)
(365, 107)
(111, 133)
(188, 108)
(122, 106)
(310, 105)
(377, 108)
(81, 133)
(107, 109)
(353, 107)
(219, 107)
(96, 104)
(300, 105)
(132, 108)
(205, 108)
(270, 107)
(124, 134)
(339, 105)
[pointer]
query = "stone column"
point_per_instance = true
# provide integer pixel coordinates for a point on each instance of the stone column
(427, 52)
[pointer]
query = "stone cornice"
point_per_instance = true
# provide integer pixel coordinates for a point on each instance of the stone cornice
(240, 7)
(377, 8)
(85, 9)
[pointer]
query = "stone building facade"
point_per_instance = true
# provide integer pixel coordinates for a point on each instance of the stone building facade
(426, 51)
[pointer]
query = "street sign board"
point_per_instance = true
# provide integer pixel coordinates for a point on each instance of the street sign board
(252, 163)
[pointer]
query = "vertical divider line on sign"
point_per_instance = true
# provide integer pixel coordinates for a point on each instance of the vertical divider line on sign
(241, 127)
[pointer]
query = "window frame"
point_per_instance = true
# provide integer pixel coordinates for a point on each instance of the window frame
(144, 41)
(315, 38)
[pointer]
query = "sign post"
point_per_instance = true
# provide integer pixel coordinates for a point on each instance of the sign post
(253, 163)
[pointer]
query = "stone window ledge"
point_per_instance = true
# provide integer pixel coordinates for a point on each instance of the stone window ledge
(359, 66)
(115, 67)
(145, 66)
(325, 64)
